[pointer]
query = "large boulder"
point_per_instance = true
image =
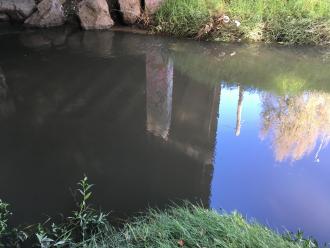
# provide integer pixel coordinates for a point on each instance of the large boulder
(17, 10)
(94, 14)
(49, 13)
(151, 6)
(131, 10)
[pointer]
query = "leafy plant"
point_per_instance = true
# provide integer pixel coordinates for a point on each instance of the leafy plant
(9, 237)
(85, 223)
(4, 214)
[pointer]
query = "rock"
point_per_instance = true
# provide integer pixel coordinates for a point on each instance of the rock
(17, 10)
(131, 10)
(151, 6)
(4, 17)
(94, 14)
(49, 14)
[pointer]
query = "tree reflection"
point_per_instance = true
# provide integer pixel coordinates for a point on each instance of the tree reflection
(296, 123)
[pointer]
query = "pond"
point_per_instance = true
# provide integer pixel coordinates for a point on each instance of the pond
(153, 120)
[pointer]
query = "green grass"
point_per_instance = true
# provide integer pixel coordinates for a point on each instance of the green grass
(184, 17)
(198, 227)
(178, 226)
(285, 21)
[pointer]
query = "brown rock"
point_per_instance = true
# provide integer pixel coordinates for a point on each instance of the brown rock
(17, 10)
(94, 14)
(151, 6)
(131, 10)
(49, 14)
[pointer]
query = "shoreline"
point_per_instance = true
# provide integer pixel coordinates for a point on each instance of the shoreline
(293, 23)
(184, 225)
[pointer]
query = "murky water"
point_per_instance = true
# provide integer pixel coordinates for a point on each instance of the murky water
(153, 120)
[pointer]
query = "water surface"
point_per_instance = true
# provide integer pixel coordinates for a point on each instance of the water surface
(153, 120)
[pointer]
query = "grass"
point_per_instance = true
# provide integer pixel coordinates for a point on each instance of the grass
(184, 17)
(185, 226)
(192, 226)
(284, 21)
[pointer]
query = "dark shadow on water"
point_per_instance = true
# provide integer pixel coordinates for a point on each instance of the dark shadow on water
(154, 120)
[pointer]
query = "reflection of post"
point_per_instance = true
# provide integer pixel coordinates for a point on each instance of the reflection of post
(239, 109)
(159, 69)
(317, 155)
(215, 110)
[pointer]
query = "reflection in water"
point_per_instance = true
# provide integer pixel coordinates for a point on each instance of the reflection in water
(87, 103)
(159, 69)
(87, 112)
(96, 43)
(194, 121)
(45, 38)
(239, 110)
(296, 123)
(6, 104)
(3, 85)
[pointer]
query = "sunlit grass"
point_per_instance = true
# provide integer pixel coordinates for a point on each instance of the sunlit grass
(197, 227)
(185, 17)
(291, 21)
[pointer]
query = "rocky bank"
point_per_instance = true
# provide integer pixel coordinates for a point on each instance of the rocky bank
(91, 14)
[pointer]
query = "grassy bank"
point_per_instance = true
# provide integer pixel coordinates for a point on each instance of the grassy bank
(185, 226)
(197, 227)
(285, 21)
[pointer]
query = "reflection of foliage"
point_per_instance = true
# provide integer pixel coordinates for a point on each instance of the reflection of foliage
(274, 69)
(296, 123)
(289, 84)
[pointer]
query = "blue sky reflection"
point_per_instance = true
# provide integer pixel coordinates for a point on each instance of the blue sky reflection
(247, 177)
